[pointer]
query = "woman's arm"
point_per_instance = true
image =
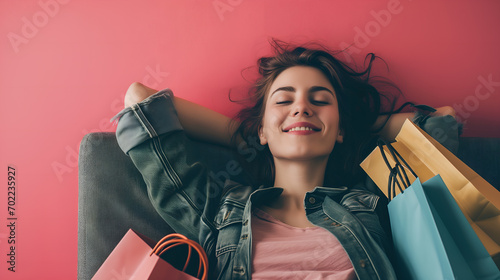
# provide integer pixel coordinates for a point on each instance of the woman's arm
(395, 122)
(179, 185)
(198, 121)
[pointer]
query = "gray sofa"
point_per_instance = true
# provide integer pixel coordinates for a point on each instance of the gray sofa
(113, 197)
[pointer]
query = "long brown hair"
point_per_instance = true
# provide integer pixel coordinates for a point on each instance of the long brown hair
(359, 104)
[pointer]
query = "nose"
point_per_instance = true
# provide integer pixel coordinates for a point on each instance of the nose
(302, 107)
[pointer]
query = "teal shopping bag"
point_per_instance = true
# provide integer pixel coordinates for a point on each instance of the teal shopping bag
(432, 237)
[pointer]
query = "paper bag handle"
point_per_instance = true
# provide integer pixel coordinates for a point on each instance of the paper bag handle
(397, 170)
(175, 239)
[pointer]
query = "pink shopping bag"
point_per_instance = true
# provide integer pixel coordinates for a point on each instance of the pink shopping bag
(137, 257)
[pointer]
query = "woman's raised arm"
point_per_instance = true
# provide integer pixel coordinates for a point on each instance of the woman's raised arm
(198, 121)
(395, 122)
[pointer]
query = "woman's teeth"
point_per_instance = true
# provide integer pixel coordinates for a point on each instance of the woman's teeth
(300, 128)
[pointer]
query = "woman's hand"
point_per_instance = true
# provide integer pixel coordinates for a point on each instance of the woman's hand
(136, 93)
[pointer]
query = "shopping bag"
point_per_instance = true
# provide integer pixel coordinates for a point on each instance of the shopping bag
(432, 238)
(478, 200)
(137, 257)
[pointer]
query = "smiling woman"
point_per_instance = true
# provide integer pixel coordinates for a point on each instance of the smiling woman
(308, 214)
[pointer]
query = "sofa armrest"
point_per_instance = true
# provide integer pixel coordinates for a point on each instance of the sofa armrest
(112, 198)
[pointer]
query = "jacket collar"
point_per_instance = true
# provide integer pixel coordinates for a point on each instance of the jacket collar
(265, 193)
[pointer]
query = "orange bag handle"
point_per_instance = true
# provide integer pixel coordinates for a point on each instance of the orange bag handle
(176, 239)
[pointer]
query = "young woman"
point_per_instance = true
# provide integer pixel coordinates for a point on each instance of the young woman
(311, 217)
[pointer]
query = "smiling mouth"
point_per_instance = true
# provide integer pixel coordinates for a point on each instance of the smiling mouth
(302, 128)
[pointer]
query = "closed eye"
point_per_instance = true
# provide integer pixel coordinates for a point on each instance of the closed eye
(283, 102)
(318, 102)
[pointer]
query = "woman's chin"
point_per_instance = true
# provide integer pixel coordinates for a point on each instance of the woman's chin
(303, 156)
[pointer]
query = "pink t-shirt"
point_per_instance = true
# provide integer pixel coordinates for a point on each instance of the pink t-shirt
(281, 251)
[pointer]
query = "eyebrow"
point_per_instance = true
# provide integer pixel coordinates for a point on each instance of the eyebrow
(311, 90)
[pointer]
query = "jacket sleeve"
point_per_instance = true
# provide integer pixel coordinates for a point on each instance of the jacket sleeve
(178, 185)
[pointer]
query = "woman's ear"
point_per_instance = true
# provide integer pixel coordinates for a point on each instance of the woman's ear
(262, 137)
(340, 136)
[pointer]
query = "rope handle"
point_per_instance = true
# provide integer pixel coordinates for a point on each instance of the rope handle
(175, 239)
(397, 171)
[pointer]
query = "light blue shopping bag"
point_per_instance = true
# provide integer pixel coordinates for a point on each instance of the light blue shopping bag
(432, 237)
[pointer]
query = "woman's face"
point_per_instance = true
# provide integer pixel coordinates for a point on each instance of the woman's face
(301, 118)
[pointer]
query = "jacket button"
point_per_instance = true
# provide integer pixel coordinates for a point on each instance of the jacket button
(362, 263)
(312, 200)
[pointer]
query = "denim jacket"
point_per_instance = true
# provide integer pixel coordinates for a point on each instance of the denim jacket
(220, 219)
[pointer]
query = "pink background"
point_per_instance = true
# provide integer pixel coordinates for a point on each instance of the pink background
(65, 66)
